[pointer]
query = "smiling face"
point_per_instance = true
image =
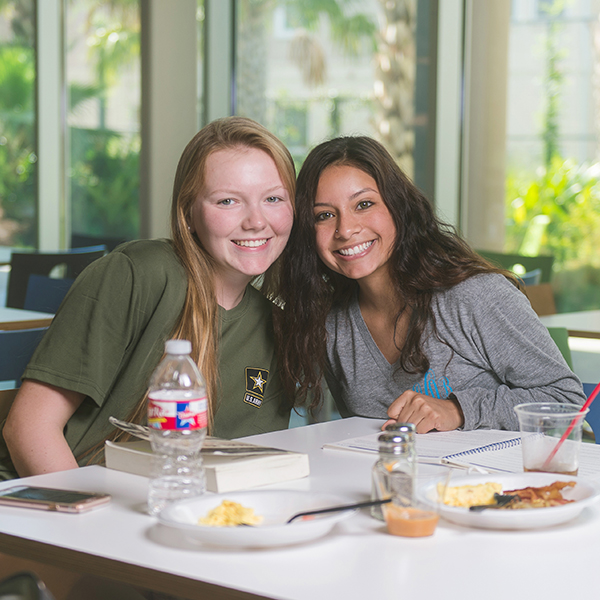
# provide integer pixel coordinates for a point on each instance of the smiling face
(243, 216)
(355, 232)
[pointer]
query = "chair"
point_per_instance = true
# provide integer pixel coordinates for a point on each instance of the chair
(16, 348)
(528, 263)
(24, 586)
(22, 265)
(560, 335)
(44, 294)
(541, 298)
(532, 277)
(593, 416)
(79, 240)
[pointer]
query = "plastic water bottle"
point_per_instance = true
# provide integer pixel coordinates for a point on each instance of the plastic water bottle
(177, 416)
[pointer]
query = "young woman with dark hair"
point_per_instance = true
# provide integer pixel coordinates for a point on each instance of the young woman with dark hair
(402, 318)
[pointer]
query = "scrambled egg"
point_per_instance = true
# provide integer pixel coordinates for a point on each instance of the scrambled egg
(230, 514)
(470, 495)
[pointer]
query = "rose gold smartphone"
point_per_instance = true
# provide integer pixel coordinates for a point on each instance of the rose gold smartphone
(51, 499)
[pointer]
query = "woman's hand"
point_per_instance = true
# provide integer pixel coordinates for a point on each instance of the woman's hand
(34, 428)
(425, 412)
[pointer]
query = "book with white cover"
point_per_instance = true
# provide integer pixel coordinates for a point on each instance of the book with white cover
(224, 472)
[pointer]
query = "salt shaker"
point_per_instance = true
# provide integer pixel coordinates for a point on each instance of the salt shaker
(395, 471)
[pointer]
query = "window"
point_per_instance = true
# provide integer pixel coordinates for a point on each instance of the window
(533, 182)
(103, 82)
(311, 71)
(18, 153)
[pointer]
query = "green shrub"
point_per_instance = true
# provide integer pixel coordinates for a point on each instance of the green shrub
(557, 211)
(18, 173)
(105, 183)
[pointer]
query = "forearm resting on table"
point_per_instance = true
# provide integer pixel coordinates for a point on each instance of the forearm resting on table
(34, 428)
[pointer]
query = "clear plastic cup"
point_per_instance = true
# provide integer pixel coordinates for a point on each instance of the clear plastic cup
(542, 425)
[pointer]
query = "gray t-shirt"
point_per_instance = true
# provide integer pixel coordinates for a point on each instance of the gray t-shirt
(494, 353)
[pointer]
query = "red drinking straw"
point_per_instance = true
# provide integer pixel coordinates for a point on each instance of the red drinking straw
(566, 434)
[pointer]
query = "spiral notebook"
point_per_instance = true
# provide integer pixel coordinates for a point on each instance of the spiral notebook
(482, 449)
(488, 449)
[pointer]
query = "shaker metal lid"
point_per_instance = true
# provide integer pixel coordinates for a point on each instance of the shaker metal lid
(397, 434)
(401, 427)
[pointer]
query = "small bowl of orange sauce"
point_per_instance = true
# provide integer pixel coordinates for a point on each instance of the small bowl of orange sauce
(418, 515)
(411, 521)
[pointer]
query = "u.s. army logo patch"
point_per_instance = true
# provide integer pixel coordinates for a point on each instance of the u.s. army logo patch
(256, 384)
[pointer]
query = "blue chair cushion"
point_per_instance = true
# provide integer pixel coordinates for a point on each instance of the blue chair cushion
(593, 416)
(45, 294)
(16, 348)
(532, 277)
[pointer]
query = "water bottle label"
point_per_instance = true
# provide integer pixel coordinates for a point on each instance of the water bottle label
(177, 413)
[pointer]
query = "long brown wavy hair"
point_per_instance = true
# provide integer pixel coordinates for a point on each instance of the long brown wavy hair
(427, 256)
(199, 320)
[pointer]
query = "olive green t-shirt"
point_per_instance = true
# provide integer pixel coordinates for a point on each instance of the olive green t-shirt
(109, 334)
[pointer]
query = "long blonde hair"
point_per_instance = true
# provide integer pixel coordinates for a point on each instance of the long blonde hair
(199, 321)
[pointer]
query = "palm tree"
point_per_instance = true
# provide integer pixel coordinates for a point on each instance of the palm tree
(252, 57)
(395, 80)
(393, 44)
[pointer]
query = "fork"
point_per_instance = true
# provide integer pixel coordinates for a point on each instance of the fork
(502, 500)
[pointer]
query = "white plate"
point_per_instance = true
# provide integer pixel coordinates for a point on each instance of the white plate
(584, 493)
(275, 506)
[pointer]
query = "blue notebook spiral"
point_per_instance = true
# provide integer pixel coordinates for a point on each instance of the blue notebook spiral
(486, 448)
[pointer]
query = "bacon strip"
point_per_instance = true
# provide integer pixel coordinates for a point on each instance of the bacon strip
(540, 497)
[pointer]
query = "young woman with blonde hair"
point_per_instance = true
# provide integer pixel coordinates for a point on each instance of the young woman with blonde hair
(232, 212)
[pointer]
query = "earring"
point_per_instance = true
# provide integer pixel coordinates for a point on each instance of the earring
(189, 228)
(337, 230)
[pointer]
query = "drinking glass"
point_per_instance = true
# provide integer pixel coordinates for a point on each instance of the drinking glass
(542, 425)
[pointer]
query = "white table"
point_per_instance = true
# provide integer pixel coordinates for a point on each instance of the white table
(585, 323)
(358, 560)
(16, 318)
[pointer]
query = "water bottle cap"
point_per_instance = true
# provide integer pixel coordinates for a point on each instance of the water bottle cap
(178, 347)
